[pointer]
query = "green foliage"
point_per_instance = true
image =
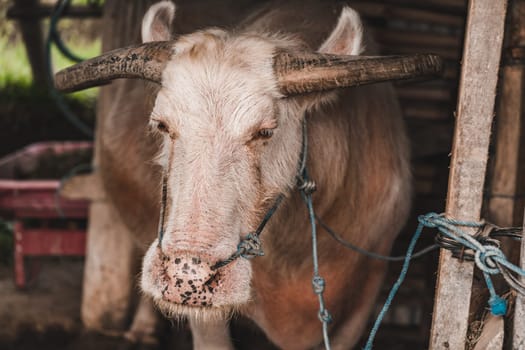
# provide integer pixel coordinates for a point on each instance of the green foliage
(16, 69)
(81, 36)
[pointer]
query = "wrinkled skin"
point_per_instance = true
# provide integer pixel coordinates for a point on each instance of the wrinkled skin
(229, 143)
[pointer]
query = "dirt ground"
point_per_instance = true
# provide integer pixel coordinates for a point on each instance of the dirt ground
(50, 303)
(47, 316)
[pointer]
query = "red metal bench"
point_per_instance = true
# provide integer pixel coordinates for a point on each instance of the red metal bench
(39, 201)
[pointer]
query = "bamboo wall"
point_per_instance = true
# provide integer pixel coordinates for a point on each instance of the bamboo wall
(405, 27)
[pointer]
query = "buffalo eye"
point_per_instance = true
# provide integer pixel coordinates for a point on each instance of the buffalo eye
(161, 126)
(265, 133)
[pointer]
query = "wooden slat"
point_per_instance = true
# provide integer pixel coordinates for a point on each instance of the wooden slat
(518, 336)
(418, 38)
(517, 39)
(429, 138)
(518, 332)
(505, 208)
(428, 94)
(398, 50)
(49, 242)
(426, 111)
(37, 12)
(475, 109)
(447, 6)
(380, 10)
(491, 337)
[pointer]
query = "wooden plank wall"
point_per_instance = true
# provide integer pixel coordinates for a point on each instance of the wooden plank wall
(413, 26)
(405, 26)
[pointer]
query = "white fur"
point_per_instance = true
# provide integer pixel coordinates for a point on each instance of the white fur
(217, 92)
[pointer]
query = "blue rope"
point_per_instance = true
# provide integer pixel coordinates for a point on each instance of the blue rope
(250, 246)
(396, 286)
(488, 258)
(318, 282)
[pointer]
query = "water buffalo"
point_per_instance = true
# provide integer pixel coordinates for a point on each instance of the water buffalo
(227, 134)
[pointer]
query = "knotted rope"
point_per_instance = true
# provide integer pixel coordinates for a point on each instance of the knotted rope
(488, 258)
(318, 282)
(250, 246)
(307, 187)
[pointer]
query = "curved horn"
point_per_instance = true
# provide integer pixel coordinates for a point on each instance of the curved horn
(302, 72)
(145, 61)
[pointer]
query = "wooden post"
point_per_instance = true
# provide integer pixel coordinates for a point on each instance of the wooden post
(111, 259)
(33, 39)
(477, 91)
(518, 336)
(506, 204)
(505, 208)
(108, 271)
(491, 337)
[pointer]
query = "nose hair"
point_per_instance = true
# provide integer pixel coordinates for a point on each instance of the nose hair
(189, 281)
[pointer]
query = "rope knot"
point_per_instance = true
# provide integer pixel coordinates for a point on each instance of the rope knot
(306, 186)
(250, 247)
(486, 259)
(430, 220)
(318, 284)
(324, 316)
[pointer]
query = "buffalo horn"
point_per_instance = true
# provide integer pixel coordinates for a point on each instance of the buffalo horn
(304, 72)
(144, 61)
(297, 73)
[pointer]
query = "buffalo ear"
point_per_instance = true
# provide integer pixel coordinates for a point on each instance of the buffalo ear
(347, 36)
(156, 25)
(345, 39)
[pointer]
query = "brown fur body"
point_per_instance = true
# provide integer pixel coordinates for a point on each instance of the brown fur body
(358, 157)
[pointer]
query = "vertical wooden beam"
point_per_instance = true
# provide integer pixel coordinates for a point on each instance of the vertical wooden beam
(507, 183)
(505, 208)
(111, 259)
(33, 39)
(475, 109)
(518, 336)
(491, 337)
(108, 271)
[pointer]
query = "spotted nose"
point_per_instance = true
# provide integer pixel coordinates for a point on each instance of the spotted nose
(189, 280)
